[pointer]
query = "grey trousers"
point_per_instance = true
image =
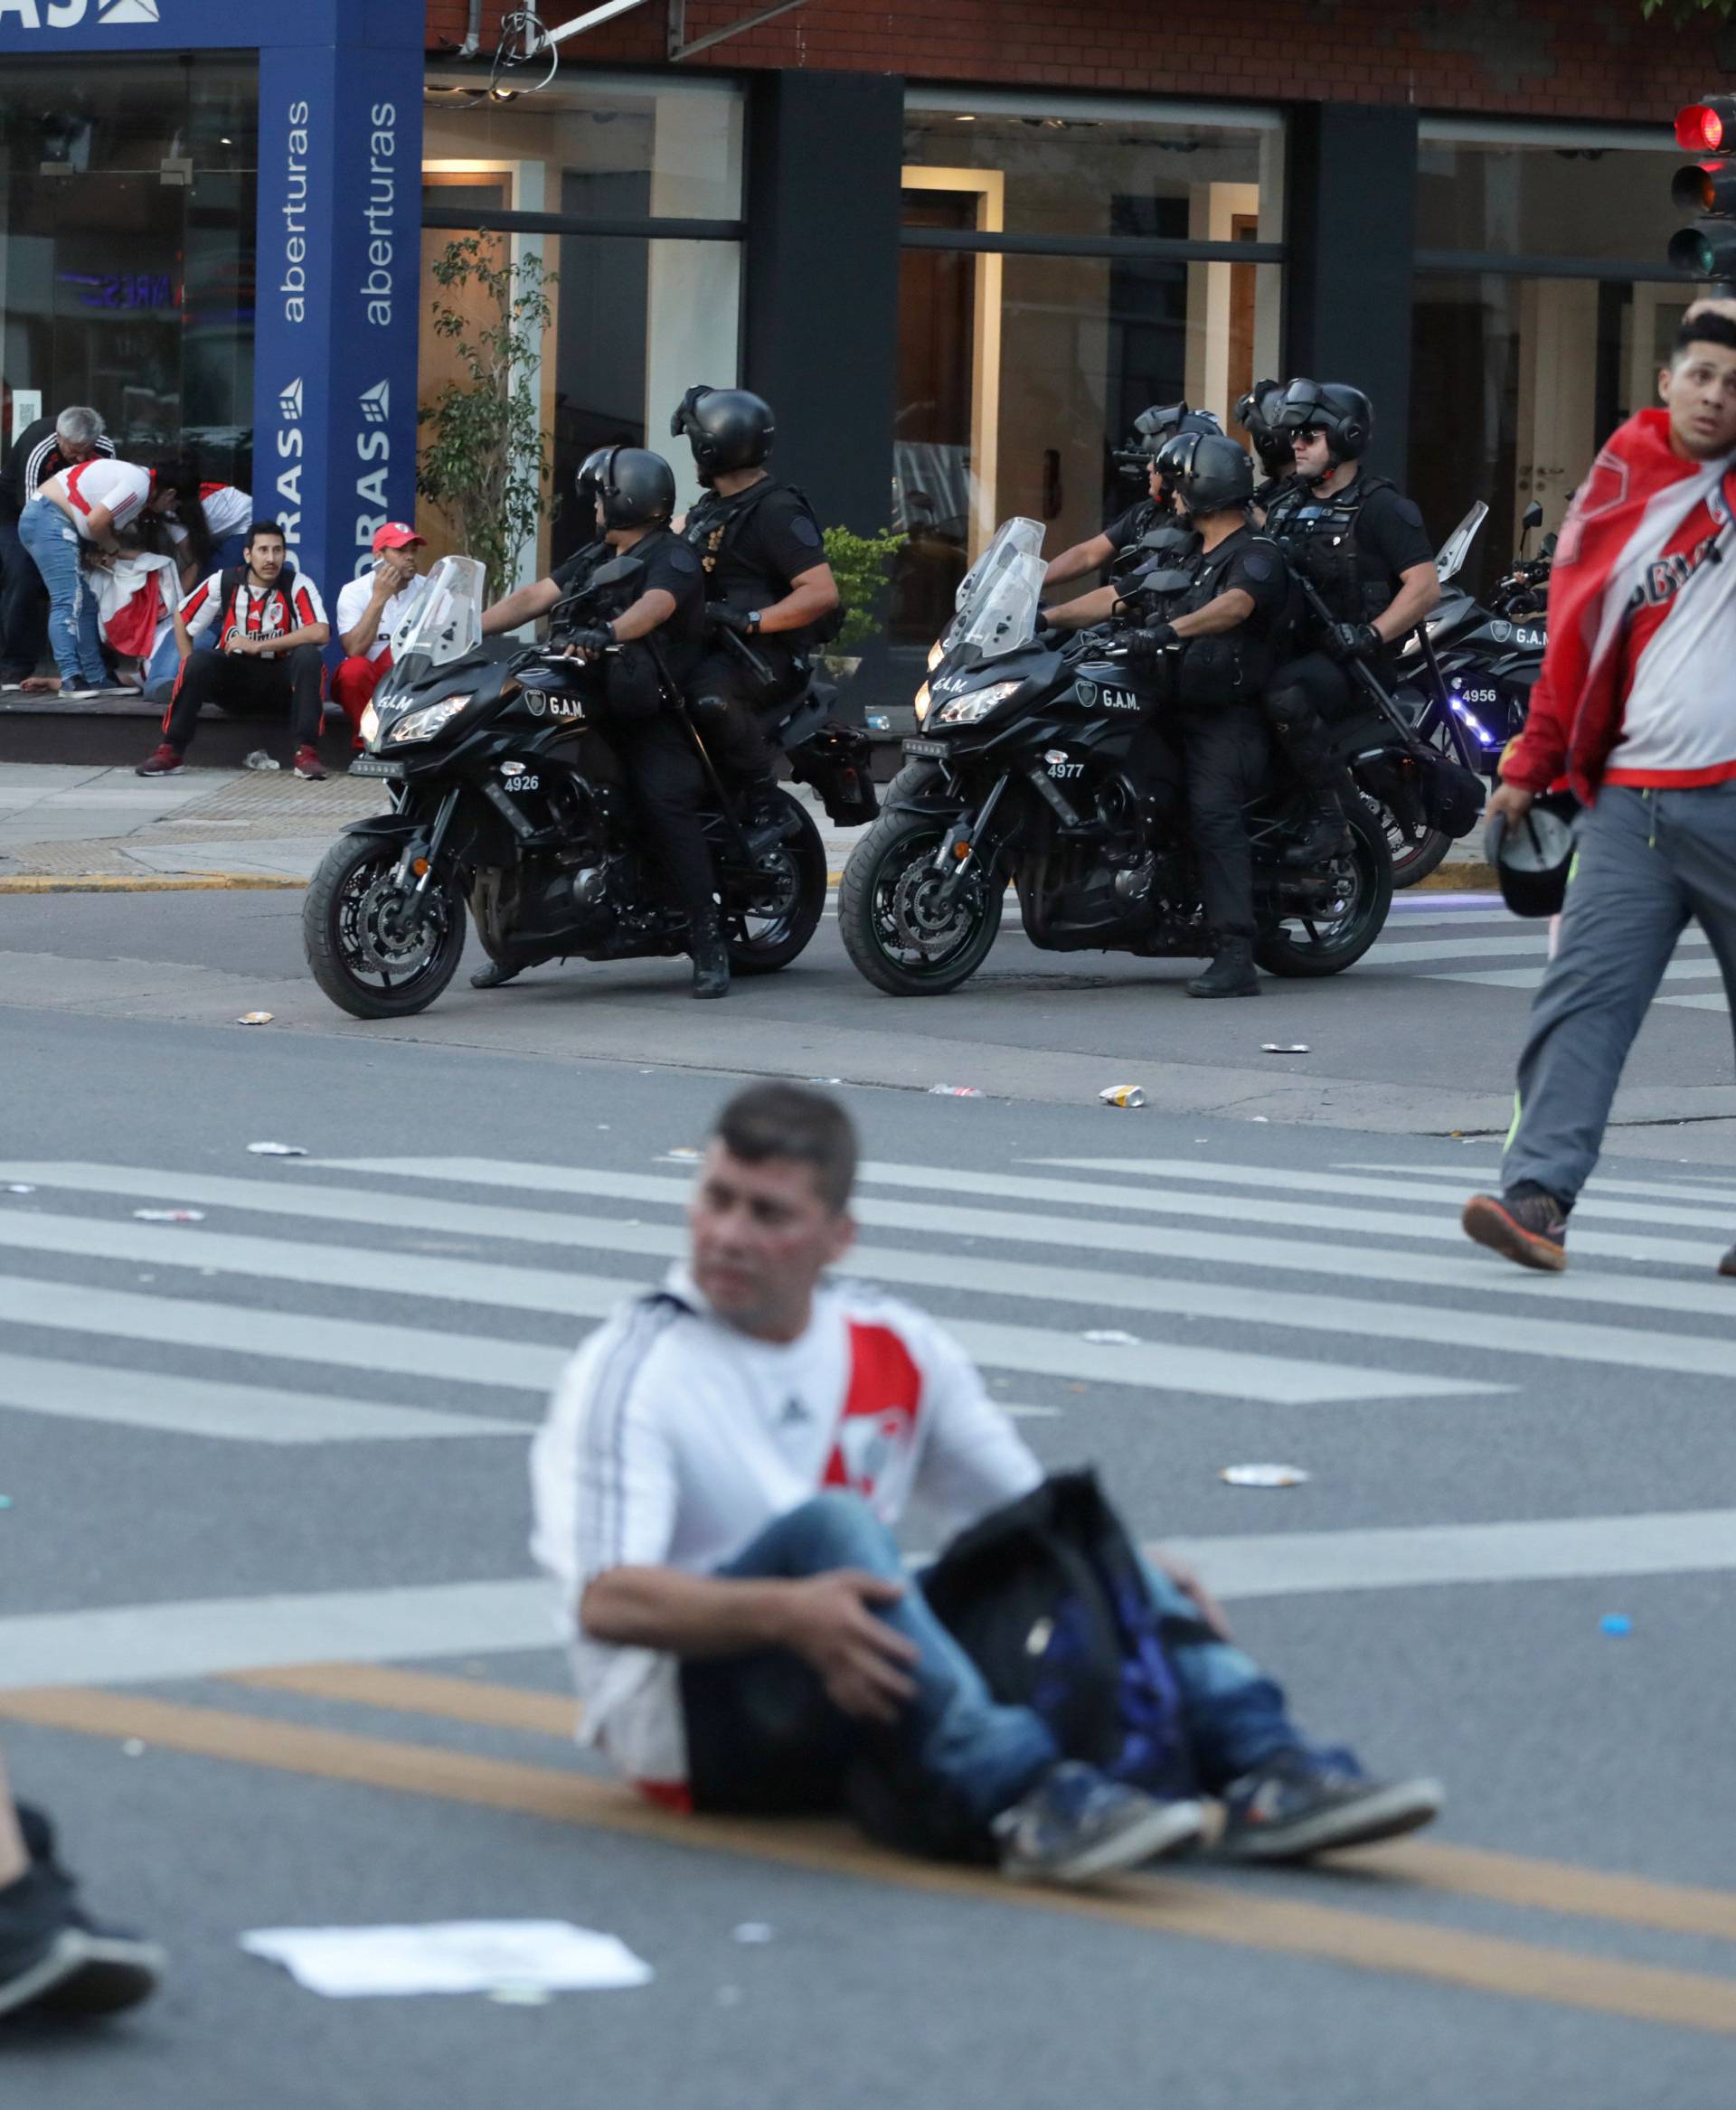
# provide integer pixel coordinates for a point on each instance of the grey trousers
(1646, 864)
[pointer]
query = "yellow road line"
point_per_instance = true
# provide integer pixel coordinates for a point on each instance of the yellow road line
(1469, 1871)
(1151, 1904)
(209, 882)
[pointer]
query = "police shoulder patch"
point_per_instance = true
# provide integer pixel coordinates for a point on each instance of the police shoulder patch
(682, 558)
(1257, 564)
(805, 531)
(1409, 512)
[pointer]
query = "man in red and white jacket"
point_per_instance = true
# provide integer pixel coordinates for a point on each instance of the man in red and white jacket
(715, 1491)
(271, 625)
(1635, 709)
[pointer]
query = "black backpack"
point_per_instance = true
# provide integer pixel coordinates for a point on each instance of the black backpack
(1049, 1599)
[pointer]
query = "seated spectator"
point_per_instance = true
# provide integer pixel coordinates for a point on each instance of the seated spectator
(715, 1488)
(270, 624)
(70, 523)
(368, 612)
(53, 1957)
(41, 451)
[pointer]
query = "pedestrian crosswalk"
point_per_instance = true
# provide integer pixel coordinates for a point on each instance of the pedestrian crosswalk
(1474, 940)
(401, 1300)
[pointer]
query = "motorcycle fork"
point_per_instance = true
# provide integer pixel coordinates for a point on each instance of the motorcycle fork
(422, 854)
(1456, 732)
(961, 846)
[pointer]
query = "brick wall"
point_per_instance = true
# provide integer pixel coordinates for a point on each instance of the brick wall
(1587, 59)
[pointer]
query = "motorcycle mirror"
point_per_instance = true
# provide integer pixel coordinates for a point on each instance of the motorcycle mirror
(1531, 517)
(1457, 545)
(1164, 582)
(618, 572)
(1546, 548)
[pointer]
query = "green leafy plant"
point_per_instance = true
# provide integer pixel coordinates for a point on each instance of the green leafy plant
(483, 460)
(862, 565)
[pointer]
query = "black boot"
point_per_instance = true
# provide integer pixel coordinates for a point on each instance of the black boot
(1231, 972)
(711, 958)
(766, 816)
(1327, 832)
(494, 975)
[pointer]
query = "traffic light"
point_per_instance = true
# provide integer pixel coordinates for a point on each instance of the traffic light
(1706, 187)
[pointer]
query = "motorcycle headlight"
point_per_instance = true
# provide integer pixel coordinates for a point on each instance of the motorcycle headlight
(422, 725)
(921, 704)
(937, 653)
(973, 709)
(369, 727)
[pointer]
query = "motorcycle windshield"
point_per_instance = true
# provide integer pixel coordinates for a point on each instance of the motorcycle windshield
(446, 624)
(1457, 545)
(998, 596)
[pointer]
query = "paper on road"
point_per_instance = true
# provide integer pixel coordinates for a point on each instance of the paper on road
(458, 1956)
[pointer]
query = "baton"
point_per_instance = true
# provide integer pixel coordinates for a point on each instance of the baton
(1368, 680)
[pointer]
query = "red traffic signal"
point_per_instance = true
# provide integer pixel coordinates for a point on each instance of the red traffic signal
(1705, 127)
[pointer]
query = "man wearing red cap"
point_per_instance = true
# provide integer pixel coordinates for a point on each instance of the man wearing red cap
(368, 612)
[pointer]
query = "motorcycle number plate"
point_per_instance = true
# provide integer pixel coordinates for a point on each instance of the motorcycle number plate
(927, 750)
(376, 765)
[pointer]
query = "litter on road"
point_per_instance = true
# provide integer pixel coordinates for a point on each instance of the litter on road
(1122, 1095)
(277, 1150)
(1616, 1623)
(1284, 1048)
(260, 760)
(256, 1018)
(170, 1215)
(18, 1187)
(954, 1091)
(458, 1956)
(1263, 1475)
(1111, 1337)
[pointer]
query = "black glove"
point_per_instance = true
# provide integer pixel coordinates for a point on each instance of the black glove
(1346, 641)
(1146, 647)
(591, 641)
(729, 618)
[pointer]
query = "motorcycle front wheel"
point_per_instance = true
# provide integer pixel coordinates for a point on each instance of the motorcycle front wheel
(1334, 935)
(898, 932)
(1416, 853)
(376, 948)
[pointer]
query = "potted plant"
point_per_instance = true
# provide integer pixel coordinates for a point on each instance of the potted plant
(862, 565)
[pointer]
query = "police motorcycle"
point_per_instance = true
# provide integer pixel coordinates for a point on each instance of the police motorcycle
(506, 800)
(1033, 766)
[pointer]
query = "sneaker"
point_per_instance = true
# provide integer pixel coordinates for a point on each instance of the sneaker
(53, 1956)
(1306, 1802)
(166, 762)
(1076, 1824)
(1726, 1266)
(1526, 1224)
(308, 766)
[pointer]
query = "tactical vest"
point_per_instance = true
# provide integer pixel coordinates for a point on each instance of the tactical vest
(1232, 668)
(1319, 537)
(714, 523)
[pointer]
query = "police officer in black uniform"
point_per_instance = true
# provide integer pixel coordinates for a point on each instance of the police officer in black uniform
(1255, 413)
(1228, 620)
(767, 579)
(633, 498)
(1119, 543)
(1363, 546)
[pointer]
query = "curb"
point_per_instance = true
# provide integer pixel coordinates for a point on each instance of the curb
(1458, 879)
(96, 883)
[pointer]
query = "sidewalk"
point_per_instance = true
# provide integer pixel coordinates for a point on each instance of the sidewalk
(69, 830)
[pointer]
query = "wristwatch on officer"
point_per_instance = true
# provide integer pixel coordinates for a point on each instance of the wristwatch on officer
(753, 622)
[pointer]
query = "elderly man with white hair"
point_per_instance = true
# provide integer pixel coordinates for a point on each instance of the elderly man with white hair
(41, 451)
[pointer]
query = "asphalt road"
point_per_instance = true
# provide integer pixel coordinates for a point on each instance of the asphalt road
(292, 1435)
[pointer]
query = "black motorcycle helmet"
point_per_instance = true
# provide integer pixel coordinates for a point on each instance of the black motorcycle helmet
(587, 484)
(1210, 474)
(1532, 857)
(1257, 413)
(727, 429)
(637, 487)
(1343, 413)
(1155, 428)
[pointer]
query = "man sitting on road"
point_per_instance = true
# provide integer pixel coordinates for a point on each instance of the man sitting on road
(715, 1489)
(1634, 707)
(270, 626)
(369, 611)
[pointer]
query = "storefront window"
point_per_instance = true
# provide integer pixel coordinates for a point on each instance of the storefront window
(1520, 374)
(126, 195)
(630, 194)
(1064, 266)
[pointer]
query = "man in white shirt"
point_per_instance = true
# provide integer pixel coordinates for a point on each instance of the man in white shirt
(270, 624)
(370, 610)
(715, 1490)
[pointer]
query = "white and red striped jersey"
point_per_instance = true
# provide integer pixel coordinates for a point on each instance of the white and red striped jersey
(673, 1441)
(256, 611)
(122, 487)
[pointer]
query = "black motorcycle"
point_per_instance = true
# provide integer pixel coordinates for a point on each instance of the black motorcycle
(1033, 765)
(506, 797)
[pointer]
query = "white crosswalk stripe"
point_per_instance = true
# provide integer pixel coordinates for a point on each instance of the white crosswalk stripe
(395, 1300)
(1479, 946)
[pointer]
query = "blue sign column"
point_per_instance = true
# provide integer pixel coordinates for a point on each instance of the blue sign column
(338, 276)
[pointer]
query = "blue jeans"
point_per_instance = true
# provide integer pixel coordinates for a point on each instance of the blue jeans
(53, 544)
(762, 1737)
(24, 608)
